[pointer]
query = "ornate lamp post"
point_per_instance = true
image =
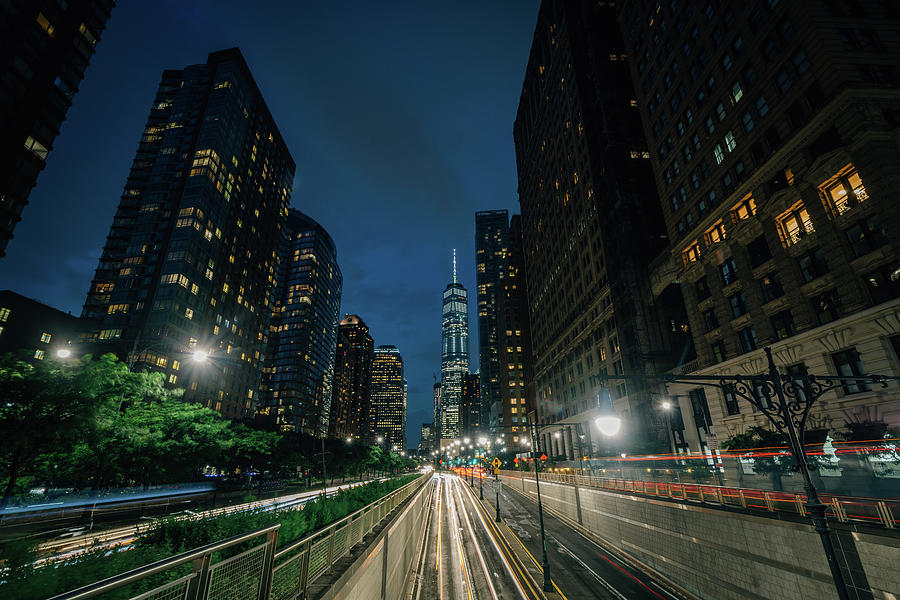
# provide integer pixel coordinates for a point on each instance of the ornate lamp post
(786, 401)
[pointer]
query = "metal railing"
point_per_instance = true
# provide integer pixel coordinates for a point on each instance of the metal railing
(843, 509)
(260, 572)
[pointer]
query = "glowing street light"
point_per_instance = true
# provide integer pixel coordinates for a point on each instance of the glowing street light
(199, 356)
(64, 353)
(608, 425)
(666, 404)
(350, 440)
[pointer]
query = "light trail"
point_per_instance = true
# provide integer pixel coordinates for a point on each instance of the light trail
(500, 552)
(437, 563)
(484, 569)
(122, 539)
(456, 528)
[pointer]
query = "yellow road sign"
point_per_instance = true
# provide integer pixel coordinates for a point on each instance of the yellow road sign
(496, 463)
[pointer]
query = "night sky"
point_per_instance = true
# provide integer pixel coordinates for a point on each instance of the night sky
(399, 117)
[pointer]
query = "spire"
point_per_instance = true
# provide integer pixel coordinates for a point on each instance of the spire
(454, 265)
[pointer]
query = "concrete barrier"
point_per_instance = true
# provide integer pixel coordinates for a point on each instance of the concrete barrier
(724, 555)
(383, 568)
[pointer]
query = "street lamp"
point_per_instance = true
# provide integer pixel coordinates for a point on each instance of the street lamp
(199, 356)
(608, 425)
(64, 353)
(786, 401)
(670, 435)
(581, 452)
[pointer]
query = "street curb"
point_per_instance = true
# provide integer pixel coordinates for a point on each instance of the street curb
(673, 587)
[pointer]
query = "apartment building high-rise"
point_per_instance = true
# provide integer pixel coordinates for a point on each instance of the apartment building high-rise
(508, 417)
(773, 130)
(46, 48)
(190, 261)
(351, 408)
(299, 367)
(470, 422)
(454, 353)
(388, 396)
(491, 241)
(591, 226)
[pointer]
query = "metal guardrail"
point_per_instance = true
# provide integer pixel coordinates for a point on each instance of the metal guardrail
(260, 572)
(843, 509)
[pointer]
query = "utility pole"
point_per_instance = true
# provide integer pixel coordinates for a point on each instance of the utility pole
(548, 584)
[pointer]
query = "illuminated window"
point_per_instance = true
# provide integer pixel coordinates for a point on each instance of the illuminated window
(4, 314)
(730, 143)
(88, 34)
(715, 234)
(45, 24)
(744, 209)
(189, 313)
(691, 253)
(794, 224)
(39, 354)
(719, 154)
(36, 147)
(45, 337)
(844, 191)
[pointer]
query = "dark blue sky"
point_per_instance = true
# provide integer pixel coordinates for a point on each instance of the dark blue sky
(399, 117)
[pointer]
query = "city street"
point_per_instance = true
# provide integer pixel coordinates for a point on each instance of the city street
(463, 555)
(579, 568)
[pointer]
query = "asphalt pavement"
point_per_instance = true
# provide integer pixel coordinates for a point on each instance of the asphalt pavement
(579, 568)
(464, 556)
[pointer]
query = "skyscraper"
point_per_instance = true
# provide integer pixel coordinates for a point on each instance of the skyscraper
(591, 226)
(773, 130)
(299, 367)
(470, 407)
(436, 422)
(508, 415)
(491, 243)
(388, 397)
(426, 443)
(46, 48)
(338, 412)
(191, 257)
(351, 408)
(454, 353)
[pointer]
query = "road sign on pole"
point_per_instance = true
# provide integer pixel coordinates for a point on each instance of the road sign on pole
(496, 463)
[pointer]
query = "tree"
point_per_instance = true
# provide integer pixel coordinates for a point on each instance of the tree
(759, 437)
(45, 406)
(249, 449)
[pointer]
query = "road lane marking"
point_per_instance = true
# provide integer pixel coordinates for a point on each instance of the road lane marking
(478, 512)
(487, 575)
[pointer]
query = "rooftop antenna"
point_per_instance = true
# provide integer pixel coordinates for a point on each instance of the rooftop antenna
(454, 265)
